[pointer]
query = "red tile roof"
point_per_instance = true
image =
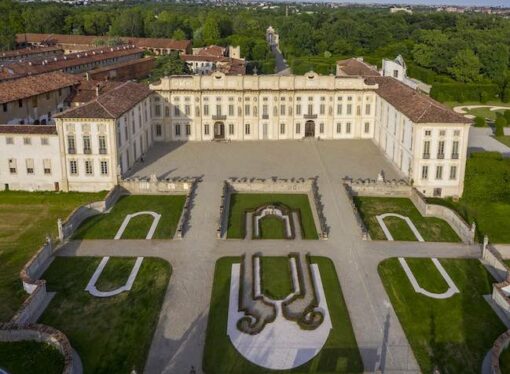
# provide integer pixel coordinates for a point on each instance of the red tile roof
(111, 105)
(26, 87)
(87, 90)
(28, 129)
(357, 67)
(211, 50)
(416, 106)
(23, 52)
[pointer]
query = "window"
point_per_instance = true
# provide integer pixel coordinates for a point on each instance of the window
(424, 172)
(349, 109)
(188, 129)
(12, 165)
(453, 172)
(206, 109)
(338, 128)
(426, 149)
(9, 140)
(358, 110)
(102, 144)
(339, 109)
(439, 172)
(187, 109)
(218, 110)
(247, 110)
(367, 127)
(104, 167)
(321, 128)
(348, 127)
(395, 73)
(455, 150)
(27, 141)
(206, 129)
(264, 110)
(47, 166)
(298, 109)
(177, 111)
(88, 167)
(310, 109)
(456, 133)
(157, 110)
(231, 110)
(442, 133)
(367, 109)
(428, 132)
(20, 103)
(86, 145)
(247, 129)
(298, 128)
(177, 130)
(4, 105)
(282, 109)
(30, 165)
(159, 130)
(440, 149)
(322, 109)
(73, 167)
(71, 144)
(44, 141)
(282, 128)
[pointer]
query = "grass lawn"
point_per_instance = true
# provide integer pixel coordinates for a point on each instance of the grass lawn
(25, 220)
(486, 198)
(27, 357)
(272, 227)
(504, 361)
(240, 203)
(505, 139)
(340, 354)
(111, 335)
(485, 113)
(276, 277)
(105, 226)
(452, 335)
(432, 229)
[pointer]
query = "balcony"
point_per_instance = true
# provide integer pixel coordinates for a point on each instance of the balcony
(87, 151)
(265, 116)
(310, 116)
(426, 156)
(71, 151)
(102, 151)
(219, 117)
(455, 156)
(440, 156)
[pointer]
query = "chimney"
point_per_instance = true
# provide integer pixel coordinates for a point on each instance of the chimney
(97, 90)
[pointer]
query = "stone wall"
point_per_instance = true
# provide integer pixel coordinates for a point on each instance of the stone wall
(10, 332)
(499, 346)
(274, 185)
(395, 188)
(493, 259)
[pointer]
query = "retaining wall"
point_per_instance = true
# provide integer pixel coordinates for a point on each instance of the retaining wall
(499, 346)
(394, 188)
(44, 334)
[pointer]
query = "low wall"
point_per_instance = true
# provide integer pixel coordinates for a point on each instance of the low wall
(499, 346)
(152, 185)
(221, 232)
(44, 334)
(395, 188)
(494, 260)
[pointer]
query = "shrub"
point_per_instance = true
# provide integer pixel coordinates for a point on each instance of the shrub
(461, 92)
(484, 97)
(480, 121)
(500, 124)
(507, 117)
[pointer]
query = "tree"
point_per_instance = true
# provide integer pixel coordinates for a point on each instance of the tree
(169, 65)
(179, 35)
(211, 31)
(465, 66)
(494, 60)
(480, 121)
(507, 116)
(500, 124)
(128, 23)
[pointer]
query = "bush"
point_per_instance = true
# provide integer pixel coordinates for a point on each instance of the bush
(507, 117)
(500, 124)
(461, 92)
(480, 121)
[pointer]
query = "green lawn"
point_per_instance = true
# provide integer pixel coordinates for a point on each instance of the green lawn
(485, 113)
(111, 335)
(486, 198)
(504, 361)
(339, 355)
(105, 226)
(432, 229)
(25, 220)
(454, 334)
(505, 139)
(27, 357)
(276, 277)
(240, 203)
(272, 227)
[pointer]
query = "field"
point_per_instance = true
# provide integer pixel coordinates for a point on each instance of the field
(432, 229)
(340, 354)
(111, 335)
(105, 226)
(26, 218)
(451, 335)
(240, 203)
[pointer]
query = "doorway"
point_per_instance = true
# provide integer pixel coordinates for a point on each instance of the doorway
(309, 129)
(219, 130)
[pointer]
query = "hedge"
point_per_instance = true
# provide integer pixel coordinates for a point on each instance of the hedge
(461, 92)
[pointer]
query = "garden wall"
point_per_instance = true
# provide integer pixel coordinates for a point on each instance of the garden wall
(394, 188)
(44, 334)
(499, 346)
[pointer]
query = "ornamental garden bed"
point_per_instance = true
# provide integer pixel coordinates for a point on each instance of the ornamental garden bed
(27, 357)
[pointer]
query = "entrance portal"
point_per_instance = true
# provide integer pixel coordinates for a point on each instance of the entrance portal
(219, 130)
(309, 129)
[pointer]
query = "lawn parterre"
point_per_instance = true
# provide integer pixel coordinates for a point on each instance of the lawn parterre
(25, 220)
(454, 334)
(340, 354)
(504, 361)
(276, 277)
(111, 335)
(105, 226)
(28, 357)
(432, 229)
(241, 203)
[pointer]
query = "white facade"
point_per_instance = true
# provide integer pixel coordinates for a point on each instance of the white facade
(30, 162)
(397, 69)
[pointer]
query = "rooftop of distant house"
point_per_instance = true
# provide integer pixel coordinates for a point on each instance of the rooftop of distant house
(23, 52)
(88, 90)
(357, 67)
(112, 104)
(28, 129)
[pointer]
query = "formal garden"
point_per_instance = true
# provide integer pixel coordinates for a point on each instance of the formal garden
(26, 218)
(271, 226)
(431, 229)
(107, 225)
(339, 354)
(110, 334)
(27, 357)
(453, 333)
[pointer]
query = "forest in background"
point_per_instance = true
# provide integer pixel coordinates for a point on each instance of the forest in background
(465, 56)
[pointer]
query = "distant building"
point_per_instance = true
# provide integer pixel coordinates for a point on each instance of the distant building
(213, 58)
(30, 53)
(272, 37)
(399, 9)
(397, 69)
(124, 71)
(35, 99)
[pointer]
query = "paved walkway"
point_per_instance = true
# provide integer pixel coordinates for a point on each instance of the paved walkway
(481, 138)
(281, 64)
(180, 335)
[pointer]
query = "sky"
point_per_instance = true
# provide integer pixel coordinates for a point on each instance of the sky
(435, 2)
